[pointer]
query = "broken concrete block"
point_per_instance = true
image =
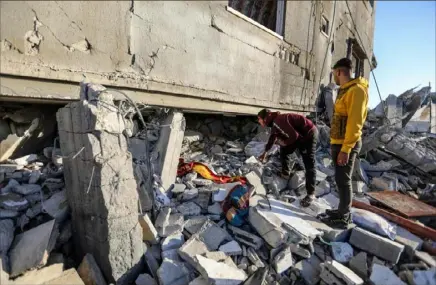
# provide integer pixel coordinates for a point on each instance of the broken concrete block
(426, 258)
(255, 180)
(376, 245)
(381, 275)
(231, 248)
(212, 235)
(342, 252)
(169, 147)
(283, 260)
(359, 265)
(203, 199)
(57, 206)
(26, 160)
(191, 136)
(149, 232)
(12, 201)
(254, 258)
(145, 279)
(6, 235)
(220, 257)
(199, 281)
(297, 180)
(178, 188)
(90, 272)
(190, 194)
(194, 224)
(268, 226)
(194, 246)
(309, 269)
(40, 276)
(174, 241)
(189, 209)
(215, 209)
(220, 273)
(343, 273)
(245, 237)
(10, 168)
(31, 248)
(172, 254)
(68, 277)
(150, 260)
(8, 188)
(222, 190)
(27, 189)
(173, 273)
(167, 223)
(405, 237)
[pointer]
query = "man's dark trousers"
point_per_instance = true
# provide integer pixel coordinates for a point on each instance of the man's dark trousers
(307, 150)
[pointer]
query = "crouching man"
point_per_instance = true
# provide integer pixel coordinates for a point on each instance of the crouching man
(291, 132)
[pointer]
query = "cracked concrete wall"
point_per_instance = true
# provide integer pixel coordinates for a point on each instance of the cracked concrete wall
(194, 49)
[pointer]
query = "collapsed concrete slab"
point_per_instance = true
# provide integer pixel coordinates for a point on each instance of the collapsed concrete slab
(169, 147)
(31, 248)
(376, 245)
(99, 179)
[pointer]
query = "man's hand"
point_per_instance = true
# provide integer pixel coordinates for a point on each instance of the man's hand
(262, 157)
(280, 142)
(343, 158)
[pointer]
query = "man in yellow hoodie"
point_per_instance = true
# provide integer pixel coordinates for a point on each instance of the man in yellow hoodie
(349, 115)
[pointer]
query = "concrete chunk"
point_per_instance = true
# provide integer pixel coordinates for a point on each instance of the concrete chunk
(199, 281)
(359, 265)
(194, 246)
(145, 279)
(212, 235)
(215, 208)
(6, 235)
(90, 272)
(231, 248)
(173, 242)
(14, 202)
(68, 277)
(220, 273)
(268, 226)
(376, 245)
(342, 252)
(407, 238)
(40, 276)
(381, 275)
(57, 206)
(27, 189)
(173, 273)
(283, 260)
(343, 273)
(254, 179)
(149, 232)
(309, 269)
(189, 209)
(31, 248)
(424, 277)
(245, 237)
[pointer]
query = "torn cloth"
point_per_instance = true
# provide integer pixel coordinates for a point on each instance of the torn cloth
(206, 173)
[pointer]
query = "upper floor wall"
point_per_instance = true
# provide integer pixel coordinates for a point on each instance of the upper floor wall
(191, 54)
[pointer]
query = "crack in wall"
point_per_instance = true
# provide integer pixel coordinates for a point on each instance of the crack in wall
(65, 13)
(8, 46)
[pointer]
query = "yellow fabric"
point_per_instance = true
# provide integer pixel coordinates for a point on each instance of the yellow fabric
(203, 171)
(351, 108)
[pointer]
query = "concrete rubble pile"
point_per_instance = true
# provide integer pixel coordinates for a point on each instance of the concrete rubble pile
(170, 228)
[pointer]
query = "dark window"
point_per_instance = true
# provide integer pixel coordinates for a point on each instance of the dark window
(266, 12)
(325, 25)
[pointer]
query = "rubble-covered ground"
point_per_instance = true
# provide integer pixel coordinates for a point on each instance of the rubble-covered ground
(187, 239)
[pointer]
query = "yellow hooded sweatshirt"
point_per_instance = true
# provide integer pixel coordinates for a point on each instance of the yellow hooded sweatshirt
(351, 108)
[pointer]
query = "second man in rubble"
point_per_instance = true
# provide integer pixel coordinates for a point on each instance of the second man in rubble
(291, 132)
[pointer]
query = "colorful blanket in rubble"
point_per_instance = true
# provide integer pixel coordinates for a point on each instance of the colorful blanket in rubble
(206, 173)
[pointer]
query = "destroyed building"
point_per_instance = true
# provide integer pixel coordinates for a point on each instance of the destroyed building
(124, 127)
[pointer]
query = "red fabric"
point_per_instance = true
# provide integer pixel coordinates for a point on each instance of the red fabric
(289, 128)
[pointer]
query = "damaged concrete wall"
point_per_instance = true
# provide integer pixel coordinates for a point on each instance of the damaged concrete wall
(169, 50)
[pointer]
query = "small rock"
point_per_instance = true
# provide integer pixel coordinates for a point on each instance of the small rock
(342, 252)
(178, 188)
(27, 189)
(34, 176)
(40, 276)
(189, 194)
(12, 201)
(215, 209)
(231, 248)
(171, 272)
(189, 209)
(145, 279)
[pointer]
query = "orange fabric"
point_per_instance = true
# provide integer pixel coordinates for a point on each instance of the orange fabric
(206, 173)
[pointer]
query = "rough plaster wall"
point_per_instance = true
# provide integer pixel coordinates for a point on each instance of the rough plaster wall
(189, 48)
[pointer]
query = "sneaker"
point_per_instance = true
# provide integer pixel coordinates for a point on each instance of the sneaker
(341, 222)
(332, 212)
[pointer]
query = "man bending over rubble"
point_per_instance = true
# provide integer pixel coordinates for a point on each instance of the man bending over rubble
(349, 115)
(292, 131)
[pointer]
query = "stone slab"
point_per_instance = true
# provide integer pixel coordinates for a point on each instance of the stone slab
(231, 248)
(220, 273)
(376, 245)
(174, 241)
(358, 264)
(31, 248)
(343, 273)
(40, 276)
(255, 180)
(381, 275)
(7, 230)
(407, 238)
(57, 206)
(149, 232)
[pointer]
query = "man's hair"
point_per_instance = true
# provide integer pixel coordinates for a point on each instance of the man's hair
(263, 113)
(343, 63)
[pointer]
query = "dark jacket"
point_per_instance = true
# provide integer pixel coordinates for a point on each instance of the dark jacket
(290, 128)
